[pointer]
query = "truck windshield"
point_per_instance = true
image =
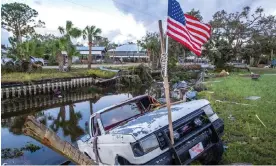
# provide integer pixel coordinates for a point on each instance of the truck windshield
(115, 116)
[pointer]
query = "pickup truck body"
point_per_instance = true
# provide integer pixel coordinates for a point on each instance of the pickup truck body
(136, 132)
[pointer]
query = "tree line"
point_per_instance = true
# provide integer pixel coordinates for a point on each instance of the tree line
(20, 19)
(246, 34)
(243, 35)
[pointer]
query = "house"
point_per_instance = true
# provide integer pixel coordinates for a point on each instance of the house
(97, 53)
(129, 52)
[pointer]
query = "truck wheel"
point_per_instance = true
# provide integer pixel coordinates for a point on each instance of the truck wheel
(121, 161)
(213, 156)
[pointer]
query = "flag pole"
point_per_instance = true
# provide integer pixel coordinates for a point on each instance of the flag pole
(164, 71)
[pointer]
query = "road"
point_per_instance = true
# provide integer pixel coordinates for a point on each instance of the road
(96, 65)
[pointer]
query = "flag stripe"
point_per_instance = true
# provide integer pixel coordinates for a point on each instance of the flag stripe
(194, 20)
(198, 34)
(184, 42)
(171, 23)
(183, 38)
(198, 30)
(184, 35)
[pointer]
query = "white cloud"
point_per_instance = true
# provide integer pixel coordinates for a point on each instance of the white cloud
(122, 20)
(56, 14)
(149, 11)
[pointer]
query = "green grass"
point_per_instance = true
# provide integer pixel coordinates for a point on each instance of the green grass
(247, 139)
(52, 74)
(263, 70)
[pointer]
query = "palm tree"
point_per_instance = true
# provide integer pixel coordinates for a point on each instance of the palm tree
(57, 46)
(69, 32)
(90, 32)
(72, 51)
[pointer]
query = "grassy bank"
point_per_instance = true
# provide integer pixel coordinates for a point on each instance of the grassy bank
(247, 139)
(53, 73)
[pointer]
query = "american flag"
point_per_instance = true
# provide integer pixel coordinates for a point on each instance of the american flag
(186, 29)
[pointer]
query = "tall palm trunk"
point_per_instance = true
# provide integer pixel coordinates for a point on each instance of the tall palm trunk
(90, 56)
(60, 60)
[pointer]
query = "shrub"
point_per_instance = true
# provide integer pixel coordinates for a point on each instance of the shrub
(100, 73)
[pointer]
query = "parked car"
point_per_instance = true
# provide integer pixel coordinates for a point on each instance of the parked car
(39, 61)
(136, 132)
(7, 61)
(99, 61)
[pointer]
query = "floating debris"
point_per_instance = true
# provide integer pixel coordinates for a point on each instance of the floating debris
(253, 98)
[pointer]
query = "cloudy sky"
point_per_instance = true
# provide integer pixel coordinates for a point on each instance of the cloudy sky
(124, 20)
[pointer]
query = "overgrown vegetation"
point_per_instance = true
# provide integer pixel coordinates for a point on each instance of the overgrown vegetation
(53, 73)
(248, 141)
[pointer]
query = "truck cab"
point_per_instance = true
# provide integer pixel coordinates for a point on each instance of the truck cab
(136, 132)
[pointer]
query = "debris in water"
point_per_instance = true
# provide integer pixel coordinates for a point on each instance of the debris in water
(253, 98)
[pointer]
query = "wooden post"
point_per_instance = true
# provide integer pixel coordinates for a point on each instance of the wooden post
(47, 137)
(166, 85)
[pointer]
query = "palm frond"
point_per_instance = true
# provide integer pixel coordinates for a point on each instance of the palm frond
(61, 29)
(69, 26)
(75, 32)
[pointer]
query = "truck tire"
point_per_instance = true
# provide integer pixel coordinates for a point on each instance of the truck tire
(214, 155)
(121, 161)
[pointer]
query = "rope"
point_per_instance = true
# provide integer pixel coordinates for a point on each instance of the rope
(164, 65)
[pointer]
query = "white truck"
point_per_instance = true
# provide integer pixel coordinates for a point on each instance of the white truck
(136, 132)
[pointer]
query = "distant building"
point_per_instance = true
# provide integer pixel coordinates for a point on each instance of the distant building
(97, 52)
(128, 52)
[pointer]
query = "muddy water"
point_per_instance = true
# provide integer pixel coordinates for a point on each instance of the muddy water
(68, 120)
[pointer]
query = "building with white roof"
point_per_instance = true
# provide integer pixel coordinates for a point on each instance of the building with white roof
(129, 52)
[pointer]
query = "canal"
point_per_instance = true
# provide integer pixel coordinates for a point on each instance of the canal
(67, 116)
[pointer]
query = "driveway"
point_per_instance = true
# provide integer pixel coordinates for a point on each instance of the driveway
(96, 65)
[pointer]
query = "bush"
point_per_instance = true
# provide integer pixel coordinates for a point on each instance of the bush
(100, 73)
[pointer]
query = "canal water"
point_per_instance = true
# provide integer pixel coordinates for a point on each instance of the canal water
(67, 116)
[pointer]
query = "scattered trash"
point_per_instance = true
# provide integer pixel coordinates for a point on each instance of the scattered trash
(191, 95)
(223, 73)
(260, 121)
(200, 87)
(59, 96)
(211, 92)
(212, 81)
(231, 117)
(253, 98)
(232, 102)
(162, 100)
(181, 84)
(255, 76)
